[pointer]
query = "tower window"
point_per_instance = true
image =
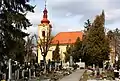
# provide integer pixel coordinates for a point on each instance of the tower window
(43, 33)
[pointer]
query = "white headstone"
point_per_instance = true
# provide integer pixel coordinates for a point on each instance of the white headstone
(10, 70)
(100, 70)
(34, 74)
(50, 67)
(71, 60)
(95, 72)
(55, 65)
(80, 60)
(94, 66)
(29, 73)
(82, 64)
(119, 73)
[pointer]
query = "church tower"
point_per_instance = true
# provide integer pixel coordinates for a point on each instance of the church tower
(44, 31)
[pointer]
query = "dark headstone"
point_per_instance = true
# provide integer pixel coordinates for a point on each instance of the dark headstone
(116, 74)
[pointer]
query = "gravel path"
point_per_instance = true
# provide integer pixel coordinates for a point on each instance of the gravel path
(75, 76)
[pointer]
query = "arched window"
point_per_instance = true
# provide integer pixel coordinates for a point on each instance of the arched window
(43, 33)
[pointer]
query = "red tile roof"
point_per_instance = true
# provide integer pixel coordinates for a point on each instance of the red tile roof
(67, 37)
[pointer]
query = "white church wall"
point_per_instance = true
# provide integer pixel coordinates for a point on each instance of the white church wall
(62, 50)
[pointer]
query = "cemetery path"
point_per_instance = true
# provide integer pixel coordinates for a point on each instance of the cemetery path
(75, 76)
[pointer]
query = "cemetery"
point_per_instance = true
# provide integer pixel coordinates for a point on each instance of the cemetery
(93, 73)
(56, 71)
(45, 52)
(29, 71)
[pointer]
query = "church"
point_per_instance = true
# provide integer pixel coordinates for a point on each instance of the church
(64, 38)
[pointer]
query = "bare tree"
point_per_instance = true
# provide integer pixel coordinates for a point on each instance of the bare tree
(44, 44)
(114, 38)
(29, 48)
(117, 43)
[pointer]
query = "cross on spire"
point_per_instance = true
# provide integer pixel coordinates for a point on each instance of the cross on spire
(45, 3)
(45, 20)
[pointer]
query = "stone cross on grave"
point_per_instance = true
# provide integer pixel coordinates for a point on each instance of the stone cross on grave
(80, 60)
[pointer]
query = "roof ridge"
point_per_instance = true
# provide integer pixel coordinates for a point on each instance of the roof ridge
(70, 32)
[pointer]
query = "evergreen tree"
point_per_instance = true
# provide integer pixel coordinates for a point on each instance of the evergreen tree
(77, 50)
(74, 50)
(56, 55)
(12, 21)
(68, 53)
(96, 45)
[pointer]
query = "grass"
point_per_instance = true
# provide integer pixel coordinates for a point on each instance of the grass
(84, 77)
(87, 75)
(110, 75)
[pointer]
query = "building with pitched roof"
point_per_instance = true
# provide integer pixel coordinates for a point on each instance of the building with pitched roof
(44, 31)
(64, 39)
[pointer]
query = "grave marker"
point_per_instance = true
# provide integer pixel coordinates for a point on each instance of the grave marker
(10, 70)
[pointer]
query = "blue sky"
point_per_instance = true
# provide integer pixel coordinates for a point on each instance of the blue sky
(70, 15)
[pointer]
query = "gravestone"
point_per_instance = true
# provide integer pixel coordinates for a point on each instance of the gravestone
(80, 60)
(71, 61)
(100, 70)
(15, 75)
(95, 73)
(29, 73)
(34, 74)
(4, 76)
(93, 66)
(18, 74)
(116, 73)
(10, 70)
(55, 65)
(67, 65)
(23, 73)
(82, 65)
